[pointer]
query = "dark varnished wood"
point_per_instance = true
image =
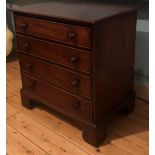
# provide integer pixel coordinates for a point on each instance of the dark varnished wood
(80, 12)
(56, 98)
(69, 34)
(26, 101)
(54, 52)
(106, 35)
(58, 76)
(113, 63)
(129, 105)
(112, 74)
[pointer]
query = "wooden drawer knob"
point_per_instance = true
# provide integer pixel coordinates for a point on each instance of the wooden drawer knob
(30, 85)
(71, 35)
(28, 66)
(77, 105)
(74, 60)
(75, 83)
(26, 46)
(22, 26)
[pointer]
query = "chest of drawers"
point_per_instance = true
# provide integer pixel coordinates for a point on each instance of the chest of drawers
(77, 59)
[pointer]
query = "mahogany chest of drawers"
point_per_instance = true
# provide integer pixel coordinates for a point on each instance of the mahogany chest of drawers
(77, 59)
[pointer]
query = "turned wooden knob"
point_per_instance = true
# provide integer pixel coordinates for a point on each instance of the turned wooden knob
(77, 105)
(26, 46)
(30, 85)
(22, 26)
(74, 60)
(75, 82)
(71, 35)
(28, 66)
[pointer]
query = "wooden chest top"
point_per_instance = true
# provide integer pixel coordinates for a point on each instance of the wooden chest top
(83, 12)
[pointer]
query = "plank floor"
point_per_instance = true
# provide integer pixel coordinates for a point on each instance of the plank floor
(40, 132)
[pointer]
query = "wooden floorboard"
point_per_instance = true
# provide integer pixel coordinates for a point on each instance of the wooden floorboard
(42, 132)
(17, 144)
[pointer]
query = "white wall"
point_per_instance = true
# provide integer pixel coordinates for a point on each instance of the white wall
(142, 53)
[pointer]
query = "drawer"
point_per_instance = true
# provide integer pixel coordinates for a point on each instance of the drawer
(70, 57)
(58, 76)
(56, 98)
(69, 34)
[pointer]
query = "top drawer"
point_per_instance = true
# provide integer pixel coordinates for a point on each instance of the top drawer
(73, 35)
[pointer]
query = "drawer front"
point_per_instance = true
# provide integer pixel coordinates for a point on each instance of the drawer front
(70, 57)
(73, 35)
(56, 98)
(63, 78)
